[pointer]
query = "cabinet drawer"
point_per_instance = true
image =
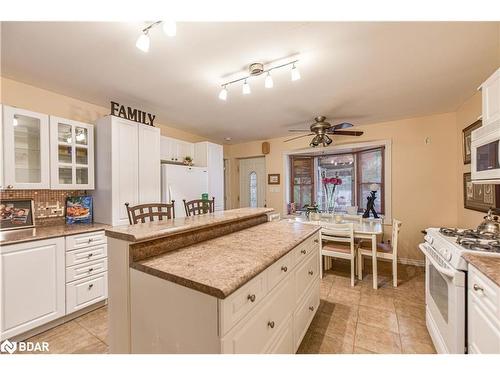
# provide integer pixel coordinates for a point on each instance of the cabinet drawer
(279, 270)
(485, 292)
(237, 305)
(305, 275)
(284, 342)
(305, 313)
(86, 269)
(256, 333)
(86, 254)
(302, 251)
(85, 239)
(85, 292)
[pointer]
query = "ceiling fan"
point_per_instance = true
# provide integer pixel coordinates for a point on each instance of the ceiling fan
(321, 129)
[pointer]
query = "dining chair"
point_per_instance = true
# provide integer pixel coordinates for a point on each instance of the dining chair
(150, 211)
(385, 250)
(337, 241)
(199, 206)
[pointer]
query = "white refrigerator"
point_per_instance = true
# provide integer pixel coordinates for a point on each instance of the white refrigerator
(180, 182)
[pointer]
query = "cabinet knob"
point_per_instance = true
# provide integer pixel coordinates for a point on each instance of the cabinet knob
(316, 240)
(270, 324)
(311, 273)
(311, 308)
(88, 256)
(90, 240)
(10, 186)
(303, 251)
(91, 286)
(251, 297)
(91, 269)
(284, 268)
(477, 288)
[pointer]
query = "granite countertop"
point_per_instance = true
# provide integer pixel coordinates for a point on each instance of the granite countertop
(43, 232)
(220, 266)
(163, 228)
(487, 264)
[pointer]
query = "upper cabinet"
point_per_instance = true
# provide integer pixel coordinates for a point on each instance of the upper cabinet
(491, 99)
(174, 150)
(71, 154)
(25, 149)
(211, 155)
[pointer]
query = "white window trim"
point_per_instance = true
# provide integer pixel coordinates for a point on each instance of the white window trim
(386, 143)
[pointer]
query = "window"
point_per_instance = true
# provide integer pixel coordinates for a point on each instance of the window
(358, 170)
(253, 189)
(302, 181)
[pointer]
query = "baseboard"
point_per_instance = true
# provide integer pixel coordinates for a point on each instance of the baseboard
(412, 262)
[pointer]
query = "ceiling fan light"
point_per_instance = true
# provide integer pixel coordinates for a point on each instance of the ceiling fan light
(143, 42)
(170, 28)
(269, 81)
(246, 88)
(327, 140)
(223, 94)
(295, 73)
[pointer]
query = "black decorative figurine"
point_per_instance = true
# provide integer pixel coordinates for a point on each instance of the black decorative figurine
(370, 204)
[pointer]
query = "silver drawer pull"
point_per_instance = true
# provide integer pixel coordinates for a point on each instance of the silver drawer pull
(316, 240)
(284, 268)
(311, 308)
(90, 269)
(90, 240)
(303, 251)
(311, 273)
(91, 286)
(88, 256)
(270, 324)
(251, 297)
(477, 288)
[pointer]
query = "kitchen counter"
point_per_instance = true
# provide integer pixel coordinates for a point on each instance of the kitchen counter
(163, 228)
(221, 265)
(44, 232)
(487, 264)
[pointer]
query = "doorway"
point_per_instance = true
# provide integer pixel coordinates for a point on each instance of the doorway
(253, 182)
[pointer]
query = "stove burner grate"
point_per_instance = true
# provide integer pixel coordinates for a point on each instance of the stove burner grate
(476, 245)
(467, 233)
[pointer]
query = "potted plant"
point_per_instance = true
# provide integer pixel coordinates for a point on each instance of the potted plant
(188, 160)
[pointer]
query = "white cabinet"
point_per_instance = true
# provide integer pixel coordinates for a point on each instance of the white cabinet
(128, 169)
(483, 314)
(211, 155)
(31, 285)
(491, 99)
(25, 149)
(174, 150)
(71, 154)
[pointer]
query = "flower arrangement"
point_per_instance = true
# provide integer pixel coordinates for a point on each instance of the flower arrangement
(330, 184)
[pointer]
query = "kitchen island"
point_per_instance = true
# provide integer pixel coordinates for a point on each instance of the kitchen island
(243, 286)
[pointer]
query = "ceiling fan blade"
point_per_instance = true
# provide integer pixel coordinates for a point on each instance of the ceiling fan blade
(300, 136)
(299, 130)
(342, 125)
(346, 132)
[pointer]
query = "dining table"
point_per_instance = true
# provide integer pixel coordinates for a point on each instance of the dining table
(364, 229)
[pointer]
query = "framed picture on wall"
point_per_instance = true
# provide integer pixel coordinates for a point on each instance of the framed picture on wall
(16, 214)
(480, 197)
(273, 179)
(466, 140)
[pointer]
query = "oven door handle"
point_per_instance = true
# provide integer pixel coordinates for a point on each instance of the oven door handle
(441, 269)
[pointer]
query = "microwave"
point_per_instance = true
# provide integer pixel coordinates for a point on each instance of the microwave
(485, 154)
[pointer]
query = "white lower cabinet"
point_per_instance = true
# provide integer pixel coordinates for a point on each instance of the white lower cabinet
(31, 285)
(483, 314)
(269, 314)
(41, 281)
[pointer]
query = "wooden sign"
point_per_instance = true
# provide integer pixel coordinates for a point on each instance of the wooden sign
(132, 114)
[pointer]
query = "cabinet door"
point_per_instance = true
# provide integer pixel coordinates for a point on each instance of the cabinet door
(215, 163)
(149, 164)
(26, 149)
(72, 154)
(125, 169)
(484, 332)
(32, 285)
(491, 99)
(184, 149)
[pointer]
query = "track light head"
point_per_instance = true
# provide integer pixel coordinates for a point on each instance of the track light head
(143, 42)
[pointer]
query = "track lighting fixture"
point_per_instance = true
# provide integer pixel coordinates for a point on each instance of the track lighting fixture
(143, 42)
(257, 69)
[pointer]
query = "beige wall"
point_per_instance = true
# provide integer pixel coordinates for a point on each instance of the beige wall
(36, 99)
(467, 113)
(424, 182)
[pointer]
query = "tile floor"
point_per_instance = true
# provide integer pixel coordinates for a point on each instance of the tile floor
(349, 320)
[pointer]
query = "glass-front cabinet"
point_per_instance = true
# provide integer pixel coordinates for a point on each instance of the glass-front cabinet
(26, 149)
(72, 154)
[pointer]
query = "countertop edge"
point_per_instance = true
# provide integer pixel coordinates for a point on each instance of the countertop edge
(478, 261)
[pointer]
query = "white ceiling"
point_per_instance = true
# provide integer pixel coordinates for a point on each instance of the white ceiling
(356, 72)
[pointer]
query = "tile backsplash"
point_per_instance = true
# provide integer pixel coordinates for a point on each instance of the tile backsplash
(48, 204)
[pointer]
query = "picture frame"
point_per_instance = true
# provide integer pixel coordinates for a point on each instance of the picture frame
(466, 140)
(273, 178)
(16, 214)
(480, 197)
(79, 210)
